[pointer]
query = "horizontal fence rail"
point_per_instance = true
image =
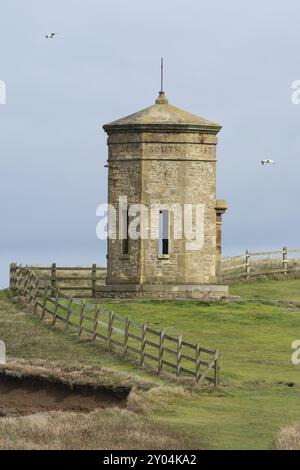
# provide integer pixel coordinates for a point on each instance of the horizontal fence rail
(152, 348)
(281, 262)
(82, 281)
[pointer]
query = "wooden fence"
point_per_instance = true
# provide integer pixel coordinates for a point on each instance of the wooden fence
(84, 281)
(281, 262)
(151, 347)
(81, 281)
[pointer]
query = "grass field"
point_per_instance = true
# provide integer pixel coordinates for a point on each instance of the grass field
(260, 389)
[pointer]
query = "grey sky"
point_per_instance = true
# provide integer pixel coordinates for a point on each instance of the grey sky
(232, 62)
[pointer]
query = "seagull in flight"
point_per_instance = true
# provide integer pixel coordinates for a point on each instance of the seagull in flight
(51, 35)
(266, 162)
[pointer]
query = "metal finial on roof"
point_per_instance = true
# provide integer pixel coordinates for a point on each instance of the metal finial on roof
(162, 75)
(162, 99)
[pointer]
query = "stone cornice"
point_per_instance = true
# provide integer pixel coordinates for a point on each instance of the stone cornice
(164, 128)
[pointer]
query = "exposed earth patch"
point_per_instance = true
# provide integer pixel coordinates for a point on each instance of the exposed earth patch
(21, 396)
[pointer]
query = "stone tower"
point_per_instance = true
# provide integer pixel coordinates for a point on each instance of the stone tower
(163, 157)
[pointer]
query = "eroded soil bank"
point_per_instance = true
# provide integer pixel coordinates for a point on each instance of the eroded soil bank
(24, 395)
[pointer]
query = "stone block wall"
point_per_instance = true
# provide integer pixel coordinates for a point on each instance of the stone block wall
(163, 168)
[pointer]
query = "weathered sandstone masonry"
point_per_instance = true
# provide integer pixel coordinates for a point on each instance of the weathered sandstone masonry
(164, 156)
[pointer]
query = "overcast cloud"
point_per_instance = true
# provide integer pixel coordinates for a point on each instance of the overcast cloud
(232, 62)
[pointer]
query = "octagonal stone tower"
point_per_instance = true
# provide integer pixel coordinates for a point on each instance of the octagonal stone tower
(160, 157)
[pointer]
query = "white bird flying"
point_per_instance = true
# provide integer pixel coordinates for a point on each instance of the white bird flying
(51, 35)
(266, 162)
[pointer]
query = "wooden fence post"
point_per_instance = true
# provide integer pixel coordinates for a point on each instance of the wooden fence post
(28, 285)
(26, 281)
(143, 343)
(53, 278)
(23, 282)
(216, 370)
(126, 336)
(161, 351)
(178, 357)
(12, 276)
(248, 267)
(19, 279)
(110, 327)
(28, 289)
(45, 300)
(15, 277)
(36, 296)
(285, 260)
(94, 279)
(198, 359)
(96, 323)
(31, 286)
(81, 318)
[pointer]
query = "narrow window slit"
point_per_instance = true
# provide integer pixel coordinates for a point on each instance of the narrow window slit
(124, 231)
(163, 232)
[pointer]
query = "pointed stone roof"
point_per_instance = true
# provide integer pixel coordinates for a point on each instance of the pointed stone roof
(162, 116)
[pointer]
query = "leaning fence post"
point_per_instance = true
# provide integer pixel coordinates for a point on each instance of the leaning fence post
(45, 300)
(143, 343)
(15, 277)
(28, 288)
(94, 279)
(12, 276)
(21, 282)
(36, 295)
(53, 278)
(96, 323)
(216, 370)
(25, 283)
(161, 351)
(81, 318)
(198, 362)
(178, 357)
(126, 336)
(19, 279)
(248, 267)
(31, 286)
(56, 307)
(110, 328)
(285, 260)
